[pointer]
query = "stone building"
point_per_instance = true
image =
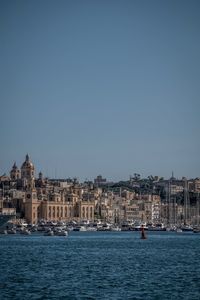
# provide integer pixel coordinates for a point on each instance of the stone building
(57, 207)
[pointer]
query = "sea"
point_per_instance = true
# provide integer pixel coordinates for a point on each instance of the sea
(100, 265)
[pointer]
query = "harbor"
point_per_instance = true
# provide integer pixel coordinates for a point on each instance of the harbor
(100, 265)
(30, 203)
(50, 228)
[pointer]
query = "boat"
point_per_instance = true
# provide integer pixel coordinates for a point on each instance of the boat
(49, 233)
(61, 233)
(178, 230)
(126, 227)
(139, 226)
(115, 228)
(25, 231)
(104, 227)
(80, 228)
(91, 228)
(156, 227)
(196, 230)
(187, 228)
(11, 231)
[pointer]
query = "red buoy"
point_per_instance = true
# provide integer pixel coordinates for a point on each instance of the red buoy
(143, 235)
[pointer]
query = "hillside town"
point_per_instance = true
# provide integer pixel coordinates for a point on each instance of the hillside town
(150, 201)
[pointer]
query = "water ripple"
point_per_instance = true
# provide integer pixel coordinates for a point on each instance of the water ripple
(100, 266)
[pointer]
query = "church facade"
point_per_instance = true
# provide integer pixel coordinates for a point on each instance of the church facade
(45, 202)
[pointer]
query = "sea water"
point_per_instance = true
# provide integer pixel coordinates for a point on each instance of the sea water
(100, 265)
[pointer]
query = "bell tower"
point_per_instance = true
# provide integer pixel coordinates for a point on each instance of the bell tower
(15, 172)
(28, 173)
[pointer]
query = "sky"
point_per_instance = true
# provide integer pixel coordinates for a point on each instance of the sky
(105, 87)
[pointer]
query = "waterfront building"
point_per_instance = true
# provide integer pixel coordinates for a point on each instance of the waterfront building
(67, 199)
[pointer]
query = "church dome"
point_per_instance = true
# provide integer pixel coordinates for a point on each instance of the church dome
(27, 163)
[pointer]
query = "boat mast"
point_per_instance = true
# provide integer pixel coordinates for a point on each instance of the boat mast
(197, 210)
(186, 203)
(168, 200)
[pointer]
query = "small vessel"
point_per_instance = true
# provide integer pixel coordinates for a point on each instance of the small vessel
(115, 228)
(196, 230)
(49, 232)
(61, 233)
(156, 227)
(187, 228)
(91, 228)
(80, 228)
(25, 231)
(11, 231)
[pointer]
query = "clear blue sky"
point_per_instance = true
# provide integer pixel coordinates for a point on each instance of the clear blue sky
(100, 87)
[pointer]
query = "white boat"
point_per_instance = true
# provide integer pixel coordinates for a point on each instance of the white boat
(90, 228)
(115, 228)
(187, 228)
(61, 233)
(49, 233)
(11, 231)
(25, 231)
(196, 230)
(80, 228)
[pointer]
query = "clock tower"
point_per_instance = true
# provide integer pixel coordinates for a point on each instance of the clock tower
(32, 206)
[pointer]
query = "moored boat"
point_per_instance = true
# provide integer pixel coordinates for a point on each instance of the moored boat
(196, 230)
(49, 233)
(61, 233)
(25, 231)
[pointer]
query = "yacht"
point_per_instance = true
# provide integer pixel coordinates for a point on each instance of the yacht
(49, 232)
(156, 227)
(196, 230)
(80, 228)
(25, 231)
(187, 228)
(61, 232)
